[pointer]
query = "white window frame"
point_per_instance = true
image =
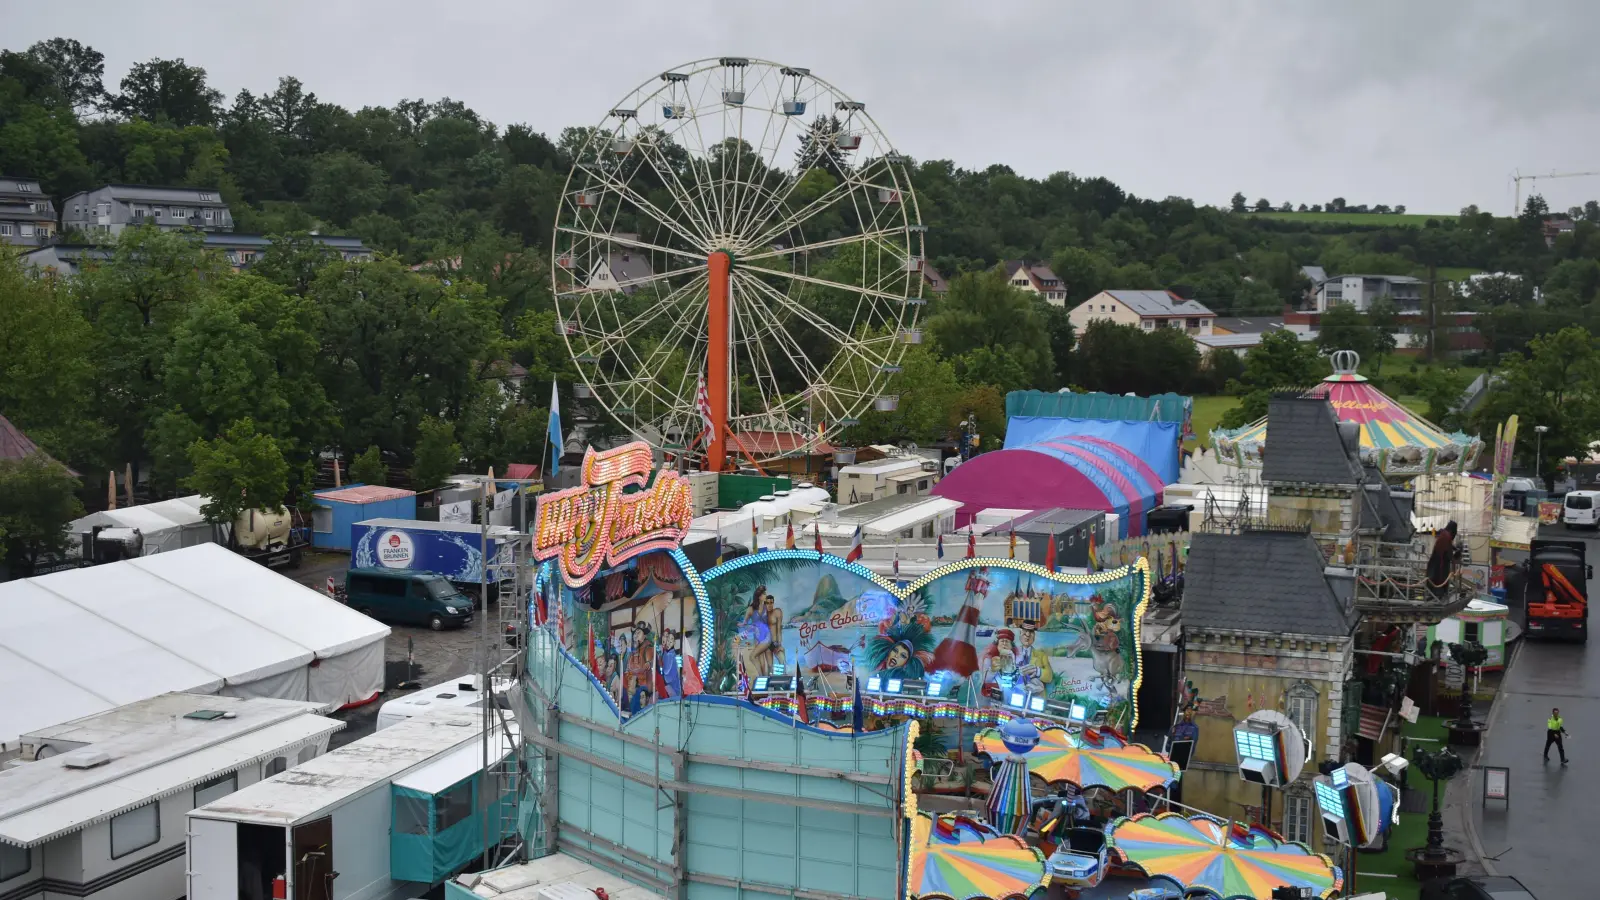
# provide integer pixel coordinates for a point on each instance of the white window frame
(1300, 705)
(1297, 812)
(208, 215)
(156, 212)
(5, 229)
(26, 229)
(205, 792)
(206, 196)
(24, 187)
(14, 861)
(154, 808)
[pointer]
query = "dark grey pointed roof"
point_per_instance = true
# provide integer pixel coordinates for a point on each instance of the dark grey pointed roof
(1263, 581)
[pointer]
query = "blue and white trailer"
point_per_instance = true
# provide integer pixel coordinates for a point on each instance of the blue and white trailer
(451, 549)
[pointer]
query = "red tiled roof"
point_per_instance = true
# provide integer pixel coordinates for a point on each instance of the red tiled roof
(364, 493)
(773, 443)
(16, 445)
(522, 471)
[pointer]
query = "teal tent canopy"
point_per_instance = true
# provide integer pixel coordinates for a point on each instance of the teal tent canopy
(436, 826)
(1111, 407)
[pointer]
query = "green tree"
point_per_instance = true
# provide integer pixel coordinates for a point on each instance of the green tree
(982, 311)
(1442, 388)
(47, 367)
(1346, 328)
(1083, 272)
(241, 469)
(437, 455)
(368, 467)
(1063, 337)
(345, 187)
(168, 90)
(1237, 204)
(37, 501)
(78, 70)
(1557, 385)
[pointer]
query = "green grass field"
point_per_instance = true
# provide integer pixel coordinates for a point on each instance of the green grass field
(1208, 411)
(1337, 218)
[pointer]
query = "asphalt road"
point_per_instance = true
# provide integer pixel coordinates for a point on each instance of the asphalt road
(412, 654)
(1544, 835)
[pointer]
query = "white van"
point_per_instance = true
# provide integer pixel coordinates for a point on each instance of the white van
(1581, 509)
(460, 693)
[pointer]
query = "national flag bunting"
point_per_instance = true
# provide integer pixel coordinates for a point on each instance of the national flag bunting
(940, 548)
(755, 534)
(702, 405)
(1013, 542)
(554, 430)
(1050, 554)
(788, 537)
(855, 546)
(816, 532)
(972, 543)
(1093, 562)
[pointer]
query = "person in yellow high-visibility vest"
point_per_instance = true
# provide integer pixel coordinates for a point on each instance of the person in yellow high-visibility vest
(1555, 731)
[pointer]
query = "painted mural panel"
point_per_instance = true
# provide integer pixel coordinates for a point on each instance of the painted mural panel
(977, 623)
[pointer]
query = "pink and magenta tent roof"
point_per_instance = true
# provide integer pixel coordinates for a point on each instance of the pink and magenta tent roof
(1065, 472)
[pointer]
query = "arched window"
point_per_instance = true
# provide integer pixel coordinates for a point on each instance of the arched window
(1301, 707)
(278, 764)
(1297, 812)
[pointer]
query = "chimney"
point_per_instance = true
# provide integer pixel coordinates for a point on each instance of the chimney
(1350, 436)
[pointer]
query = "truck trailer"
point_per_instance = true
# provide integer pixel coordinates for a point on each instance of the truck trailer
(452, 549)
(1556, 590)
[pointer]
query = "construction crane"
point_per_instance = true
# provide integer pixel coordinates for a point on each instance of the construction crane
(1518, 178)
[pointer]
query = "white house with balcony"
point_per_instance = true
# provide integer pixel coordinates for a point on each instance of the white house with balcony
(1361, 290)
(1148, 310)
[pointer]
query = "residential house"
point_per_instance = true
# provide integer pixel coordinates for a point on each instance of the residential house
(1036, 278)
(27, 217)
(1266, 625)
(1556, 226)
(1239, 333)
(240, 250)
(1361, 290)
(932, 280)
(623, 271)
(110, 209)
(1147, 309)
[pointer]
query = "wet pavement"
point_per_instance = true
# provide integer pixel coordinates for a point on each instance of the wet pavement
(412, 653)
(1544, 835)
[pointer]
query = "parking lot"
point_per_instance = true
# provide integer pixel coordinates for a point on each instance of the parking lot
(413, 653)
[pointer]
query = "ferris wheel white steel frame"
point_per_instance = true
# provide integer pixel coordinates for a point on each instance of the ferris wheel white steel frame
(681, 252)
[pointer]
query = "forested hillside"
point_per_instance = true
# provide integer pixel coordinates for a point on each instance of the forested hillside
(158, 360)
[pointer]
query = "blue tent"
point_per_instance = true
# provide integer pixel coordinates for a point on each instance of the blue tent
(437, 819)
(1154, 442)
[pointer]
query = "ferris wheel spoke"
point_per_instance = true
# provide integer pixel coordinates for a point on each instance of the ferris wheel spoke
(681, 196)
(644, 205)
(815, 379)
(778, 198)
(823, 282)
(845, 341)
(869, 237)
(626, 241)
(845, 188)
(625, 334)
(637, 283)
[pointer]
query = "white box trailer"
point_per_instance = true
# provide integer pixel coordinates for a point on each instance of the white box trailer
(324, 828)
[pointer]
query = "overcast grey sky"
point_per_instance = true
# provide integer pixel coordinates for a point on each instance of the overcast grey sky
(1429, 103)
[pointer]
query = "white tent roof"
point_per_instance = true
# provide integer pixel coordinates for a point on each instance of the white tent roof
(195, 619)
(149, 517)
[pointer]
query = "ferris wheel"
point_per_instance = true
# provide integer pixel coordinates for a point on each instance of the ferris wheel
(737, 261)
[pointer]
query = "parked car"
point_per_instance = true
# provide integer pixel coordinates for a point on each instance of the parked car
(1581, 509)
(1477, 887)
(407, 597)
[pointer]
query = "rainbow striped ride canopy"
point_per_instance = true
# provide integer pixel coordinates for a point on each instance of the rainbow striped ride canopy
(1231, 863)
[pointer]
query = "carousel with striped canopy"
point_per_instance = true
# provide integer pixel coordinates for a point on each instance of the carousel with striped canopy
(1399, 442)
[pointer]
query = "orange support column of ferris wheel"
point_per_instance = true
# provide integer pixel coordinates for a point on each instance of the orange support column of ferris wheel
(719, 267)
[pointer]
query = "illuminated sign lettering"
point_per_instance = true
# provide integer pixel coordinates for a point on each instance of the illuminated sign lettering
(617, 514)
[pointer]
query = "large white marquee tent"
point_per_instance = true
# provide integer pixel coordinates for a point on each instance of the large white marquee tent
(200, 619)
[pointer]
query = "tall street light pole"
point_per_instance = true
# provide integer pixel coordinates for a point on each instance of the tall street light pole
(1538, 447)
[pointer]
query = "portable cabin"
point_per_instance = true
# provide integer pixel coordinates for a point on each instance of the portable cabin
(165, 525)
(339, 509)
(323, 830)
(1484, 622)
(95, 806)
